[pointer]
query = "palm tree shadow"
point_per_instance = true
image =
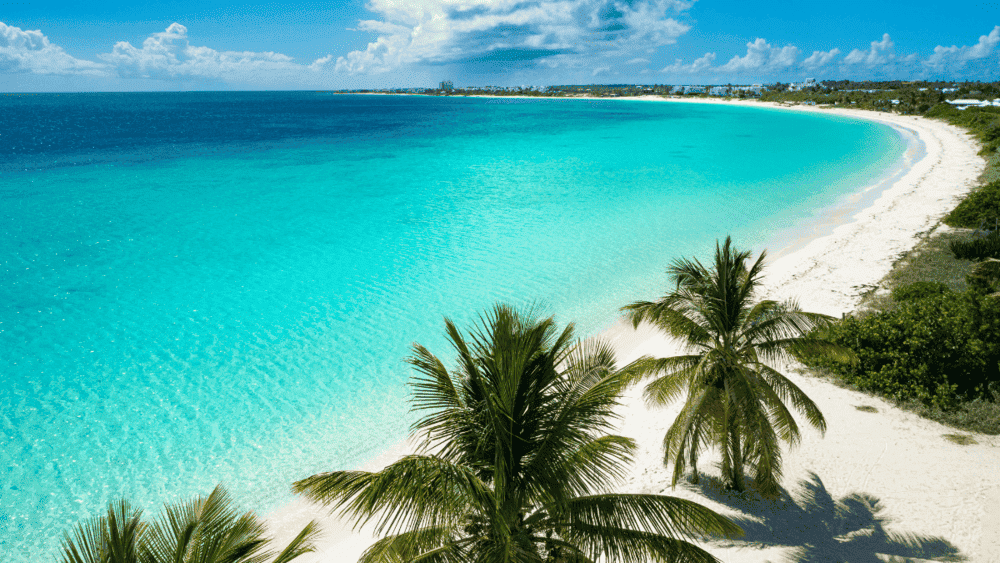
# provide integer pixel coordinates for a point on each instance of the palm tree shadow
(822, 529)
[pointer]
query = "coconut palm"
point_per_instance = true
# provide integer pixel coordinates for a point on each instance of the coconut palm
(204, 530)
(736, 399)
(516, 460)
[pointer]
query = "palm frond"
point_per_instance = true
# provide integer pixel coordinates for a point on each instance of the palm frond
(301, 544)
(789, 392)
(635, 546)
(433, 544)
(695, 425)
(113, 538)
(414, 492)
(646, 366)
(660, 514)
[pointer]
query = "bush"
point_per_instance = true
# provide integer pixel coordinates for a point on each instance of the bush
(937, 349)
(984, 123)
(985, 277)
(919, 290)
(980, 205)
(977, 248)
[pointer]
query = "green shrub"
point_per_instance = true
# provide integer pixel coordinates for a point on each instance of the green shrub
(938, 349)
(977, 248)
(984, 123)
(919, 290)
(980, 205)
(944, 111)
(985, 277)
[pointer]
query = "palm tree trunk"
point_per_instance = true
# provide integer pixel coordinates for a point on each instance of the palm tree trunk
(737, 462)
(730, 445)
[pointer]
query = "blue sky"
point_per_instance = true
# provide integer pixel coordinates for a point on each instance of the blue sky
(215, 44)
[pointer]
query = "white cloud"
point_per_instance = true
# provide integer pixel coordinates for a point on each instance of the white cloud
(954, 58)
(511, 32)
(880, 53)
(700, 64)
(31, 51)
(763, 56)
(169, 54)
(820, 58)
(600, 70)
(638, 61)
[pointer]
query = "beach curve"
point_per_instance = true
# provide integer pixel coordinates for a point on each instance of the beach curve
(927, 485)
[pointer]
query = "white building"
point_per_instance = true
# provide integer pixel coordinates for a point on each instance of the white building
(962, 104)
(796, 87)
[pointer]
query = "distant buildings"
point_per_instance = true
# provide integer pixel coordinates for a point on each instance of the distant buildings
(447, 86)
(687, 90)
(799, 86)
(963, 104)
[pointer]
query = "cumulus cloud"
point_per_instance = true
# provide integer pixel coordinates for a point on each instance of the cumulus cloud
(32, 52)
(763, 56)
(880, 53)
(170, 54)
(820, 58)
(511, 32)
(699, 65)
(954, 58)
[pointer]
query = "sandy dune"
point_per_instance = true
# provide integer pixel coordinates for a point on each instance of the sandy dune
(880, 484)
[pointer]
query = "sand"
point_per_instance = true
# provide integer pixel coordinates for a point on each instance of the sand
(937, 498)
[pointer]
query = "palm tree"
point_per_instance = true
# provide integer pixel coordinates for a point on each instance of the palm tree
(516, 460)
(205, 530)
(735, 398)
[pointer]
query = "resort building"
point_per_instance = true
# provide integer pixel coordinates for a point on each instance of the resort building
(963, 104)
(797, 87)
(446, 85)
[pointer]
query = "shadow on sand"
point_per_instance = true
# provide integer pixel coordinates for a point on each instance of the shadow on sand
(822, 529)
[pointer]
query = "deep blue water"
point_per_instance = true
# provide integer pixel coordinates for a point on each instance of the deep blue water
(206, 287)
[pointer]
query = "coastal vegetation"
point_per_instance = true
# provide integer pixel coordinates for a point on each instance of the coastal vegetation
(517, 461)
(205, 530)
(881, 330)
(977, 248)
(934, 345)
(931, 350)
(736, 398)
(979, 209)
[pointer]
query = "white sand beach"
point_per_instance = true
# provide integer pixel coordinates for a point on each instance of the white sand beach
(940, 498)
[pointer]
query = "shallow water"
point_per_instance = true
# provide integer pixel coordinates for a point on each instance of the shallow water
(206, 287)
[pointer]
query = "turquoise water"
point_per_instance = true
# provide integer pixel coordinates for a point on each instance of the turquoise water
(198, 288)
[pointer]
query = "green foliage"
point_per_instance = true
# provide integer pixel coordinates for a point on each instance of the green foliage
(984, 123)
(985, 277)
(977, 415)
(516, 461)
(938, 350)
(919, 290)
(735, 400)
(977, 248)
(204, 530)
(982, 205)
(960, 439)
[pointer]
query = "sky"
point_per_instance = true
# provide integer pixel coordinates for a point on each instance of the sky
(351, 44)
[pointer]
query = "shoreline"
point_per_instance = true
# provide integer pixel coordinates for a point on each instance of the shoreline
(928, 485)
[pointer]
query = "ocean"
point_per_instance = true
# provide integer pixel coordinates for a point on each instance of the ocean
(222, 287)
